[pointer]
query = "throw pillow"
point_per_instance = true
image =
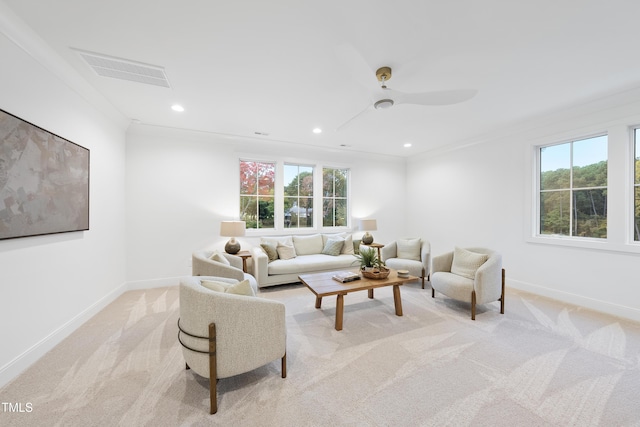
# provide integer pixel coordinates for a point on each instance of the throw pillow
(213, 285)
(333, 246)
(241, 288)
(408, 249)
(466, 263)
(270, 250)
(308, 245)
(286, 251)
(347, 248)
(218, 257)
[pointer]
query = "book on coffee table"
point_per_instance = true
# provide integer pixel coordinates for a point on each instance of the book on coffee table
(346, 276)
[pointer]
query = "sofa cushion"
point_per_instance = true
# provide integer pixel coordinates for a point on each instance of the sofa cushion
(311, 264)
(271, 251)
(408, 249)
(286, 251)
(466, 263)
(333, 246)
(273, 241)
(218, 257)
(308, 245)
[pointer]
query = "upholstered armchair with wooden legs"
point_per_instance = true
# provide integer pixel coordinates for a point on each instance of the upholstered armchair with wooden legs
(413, 255)
(473, 275)
(224, 334)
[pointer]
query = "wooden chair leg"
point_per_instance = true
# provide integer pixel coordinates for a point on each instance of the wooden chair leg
(502, 295)
(423, 278)
(284, 366)
(213, 370)
(473, 305)
(433, 292)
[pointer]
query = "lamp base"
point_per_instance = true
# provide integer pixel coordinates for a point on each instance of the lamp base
(232, 248)
(367, 239)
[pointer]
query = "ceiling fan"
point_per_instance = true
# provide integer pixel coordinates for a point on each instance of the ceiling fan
(387, 98)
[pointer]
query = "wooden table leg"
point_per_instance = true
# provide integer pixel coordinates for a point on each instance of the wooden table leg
(397, 299)
(371, 293)
(318, 302)
(339, 311)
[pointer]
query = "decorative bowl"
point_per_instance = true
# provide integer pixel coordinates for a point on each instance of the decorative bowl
(378, 273)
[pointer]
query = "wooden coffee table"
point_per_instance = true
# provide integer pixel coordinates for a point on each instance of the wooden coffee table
(322, 285)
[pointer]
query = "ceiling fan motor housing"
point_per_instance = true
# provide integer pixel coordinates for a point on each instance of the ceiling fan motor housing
(383, 74)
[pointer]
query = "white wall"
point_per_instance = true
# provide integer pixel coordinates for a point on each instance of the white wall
(49, 285)
(481, 195)
(180, 185)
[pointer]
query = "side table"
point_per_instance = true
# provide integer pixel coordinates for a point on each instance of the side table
(244, 255)
(376, 246)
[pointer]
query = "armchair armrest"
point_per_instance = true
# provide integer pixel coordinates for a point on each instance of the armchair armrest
(425, 257)
(488, 280)
(201, 265)
(234, 260)
(389, 251)
(442, 262)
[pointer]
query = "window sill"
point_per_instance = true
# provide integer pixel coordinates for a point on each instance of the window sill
(587, 243)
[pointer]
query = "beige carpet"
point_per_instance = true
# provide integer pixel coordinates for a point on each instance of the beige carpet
(542, 363)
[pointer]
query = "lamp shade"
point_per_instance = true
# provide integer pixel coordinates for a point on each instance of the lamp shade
(232, 228)
(368, 225)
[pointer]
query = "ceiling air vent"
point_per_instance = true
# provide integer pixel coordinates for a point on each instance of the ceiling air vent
(123, 69)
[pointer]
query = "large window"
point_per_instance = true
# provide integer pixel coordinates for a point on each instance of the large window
(334, 197)
(257, 183)
(279, 195)
(298, 196)
(636, 186)
(573, 188)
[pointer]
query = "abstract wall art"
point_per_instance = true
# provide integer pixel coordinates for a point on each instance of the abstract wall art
(44, 181)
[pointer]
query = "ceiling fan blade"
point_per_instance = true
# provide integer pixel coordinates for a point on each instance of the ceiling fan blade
(441, 97)
(348, 123)
(356, 66)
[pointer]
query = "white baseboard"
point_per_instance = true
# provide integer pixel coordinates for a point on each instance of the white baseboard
(21, 362)
(590, 303)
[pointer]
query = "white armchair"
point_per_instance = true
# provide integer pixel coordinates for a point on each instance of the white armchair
(409, 254)
(224, 334)
(480, 282)
(203, 265)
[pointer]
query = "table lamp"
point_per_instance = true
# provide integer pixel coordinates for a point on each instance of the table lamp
(232, 229)
(368, 225)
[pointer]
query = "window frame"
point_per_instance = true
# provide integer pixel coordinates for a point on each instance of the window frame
(572, 189)
(279, 220)
(633, 154)
(532, 206)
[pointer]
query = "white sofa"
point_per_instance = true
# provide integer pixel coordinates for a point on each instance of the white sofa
(309, 257)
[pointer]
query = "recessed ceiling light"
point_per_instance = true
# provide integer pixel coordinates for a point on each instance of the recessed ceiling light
(317, 130)
(407, 145)
(177, 107)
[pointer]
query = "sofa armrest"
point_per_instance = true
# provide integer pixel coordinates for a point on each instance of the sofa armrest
(260, 264)
(201, 265)
(442, 262)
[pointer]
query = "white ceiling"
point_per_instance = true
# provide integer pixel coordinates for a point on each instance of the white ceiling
(283, 67)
